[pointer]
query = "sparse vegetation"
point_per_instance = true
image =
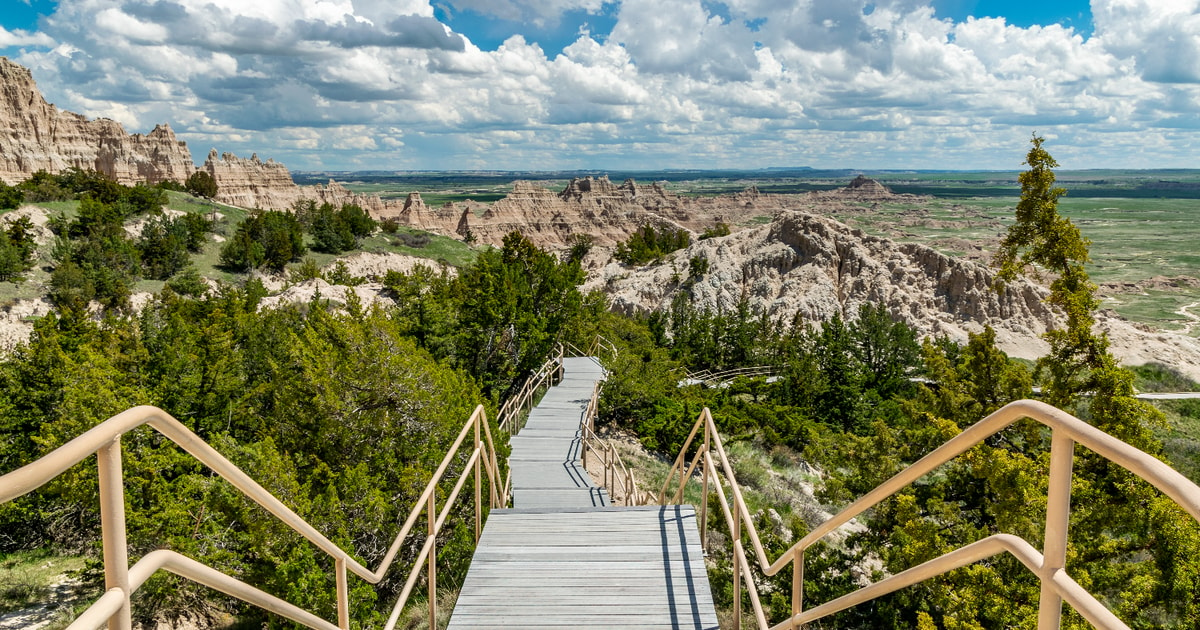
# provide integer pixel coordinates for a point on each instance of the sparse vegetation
(648, 244)
(720, 229)
(268, 239)
(201, 184)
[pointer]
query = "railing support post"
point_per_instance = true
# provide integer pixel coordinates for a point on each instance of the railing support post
(737, 564)
(1058, 512)
(798, 584)
(343, 594)
(630, 489)
(479, 417)
(431, 567)
(112, 523)
(705, 461)
(607, 469)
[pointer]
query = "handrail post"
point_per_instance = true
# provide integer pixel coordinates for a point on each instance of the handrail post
(737, 564)
(112, 524)
(607, 469)
(1058, 508)
(798, 584)
(479, 417)
(705, 461)
(343, 594)
(630, 490)
(431, 567)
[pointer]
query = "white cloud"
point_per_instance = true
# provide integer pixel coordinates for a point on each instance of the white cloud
(675, 82)
(1161, 36)
(539, 12)
(19, 37)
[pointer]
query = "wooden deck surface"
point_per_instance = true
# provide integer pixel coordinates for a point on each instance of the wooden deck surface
(562, 558)
(616, 567)
(545, 454)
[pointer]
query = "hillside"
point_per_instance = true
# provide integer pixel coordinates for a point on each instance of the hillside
(812, 267)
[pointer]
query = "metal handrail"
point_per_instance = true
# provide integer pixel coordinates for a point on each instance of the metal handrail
(522, 402)
(600, 342)
(709, 376)
(616, 473)
(1049, 565)
(121, 580)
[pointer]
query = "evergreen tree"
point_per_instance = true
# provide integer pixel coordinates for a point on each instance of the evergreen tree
(201, 184)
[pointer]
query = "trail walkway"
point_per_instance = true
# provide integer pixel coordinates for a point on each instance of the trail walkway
(563, 557)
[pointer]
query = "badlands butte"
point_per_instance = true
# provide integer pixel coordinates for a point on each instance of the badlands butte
(802, 263)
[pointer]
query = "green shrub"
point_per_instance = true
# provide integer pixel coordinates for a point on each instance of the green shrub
(201, 184)
(648, 244)
(10, 197)
(269, 239)
(720, 229)
(163, 247)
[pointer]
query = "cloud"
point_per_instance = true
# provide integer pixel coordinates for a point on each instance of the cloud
(683, 37)
(18, 37)
(673, 83)
(1161, 37)
(540, 12)
(407, 31)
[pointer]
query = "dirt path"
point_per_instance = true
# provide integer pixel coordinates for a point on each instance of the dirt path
(1195, 319)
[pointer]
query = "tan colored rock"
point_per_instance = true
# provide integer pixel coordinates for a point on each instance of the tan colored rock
(38, 136)
(812, 268)
(251, 183)
(609, 213)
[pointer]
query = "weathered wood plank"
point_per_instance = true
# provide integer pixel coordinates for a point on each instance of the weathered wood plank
(559, 559)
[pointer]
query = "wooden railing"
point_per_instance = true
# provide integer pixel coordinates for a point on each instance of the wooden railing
(708, 376)
(599, 343)
(122, 580)
(616, 476)
(515, 408)
(715, 471)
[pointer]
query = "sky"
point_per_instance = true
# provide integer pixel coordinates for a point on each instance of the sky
(631, 84)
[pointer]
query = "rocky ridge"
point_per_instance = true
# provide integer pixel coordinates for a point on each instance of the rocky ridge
(596, 206)
(39, 136)
(811, 267)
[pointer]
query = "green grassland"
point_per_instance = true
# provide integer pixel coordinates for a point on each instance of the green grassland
(26, 577)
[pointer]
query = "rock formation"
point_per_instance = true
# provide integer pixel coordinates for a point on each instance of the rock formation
(252, 183)
(38, 136)
(606, 211)
(814, 267)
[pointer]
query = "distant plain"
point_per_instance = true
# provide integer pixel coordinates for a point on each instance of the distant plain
(1143, 224)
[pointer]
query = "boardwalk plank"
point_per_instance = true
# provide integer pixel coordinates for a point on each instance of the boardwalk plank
(564, 558)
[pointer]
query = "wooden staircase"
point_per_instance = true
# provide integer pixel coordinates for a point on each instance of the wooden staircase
(563, 557)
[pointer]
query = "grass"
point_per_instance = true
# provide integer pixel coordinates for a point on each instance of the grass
(26, 577)
(1181, 437)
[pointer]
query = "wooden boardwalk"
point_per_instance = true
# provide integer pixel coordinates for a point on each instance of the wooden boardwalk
(545, 454)
(562, 557)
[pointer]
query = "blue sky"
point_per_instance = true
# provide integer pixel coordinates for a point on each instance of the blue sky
(549, 84)
(1022, 13)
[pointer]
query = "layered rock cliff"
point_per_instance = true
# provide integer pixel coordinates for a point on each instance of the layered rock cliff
(38, 136)
(596, 206)
(814, 267)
